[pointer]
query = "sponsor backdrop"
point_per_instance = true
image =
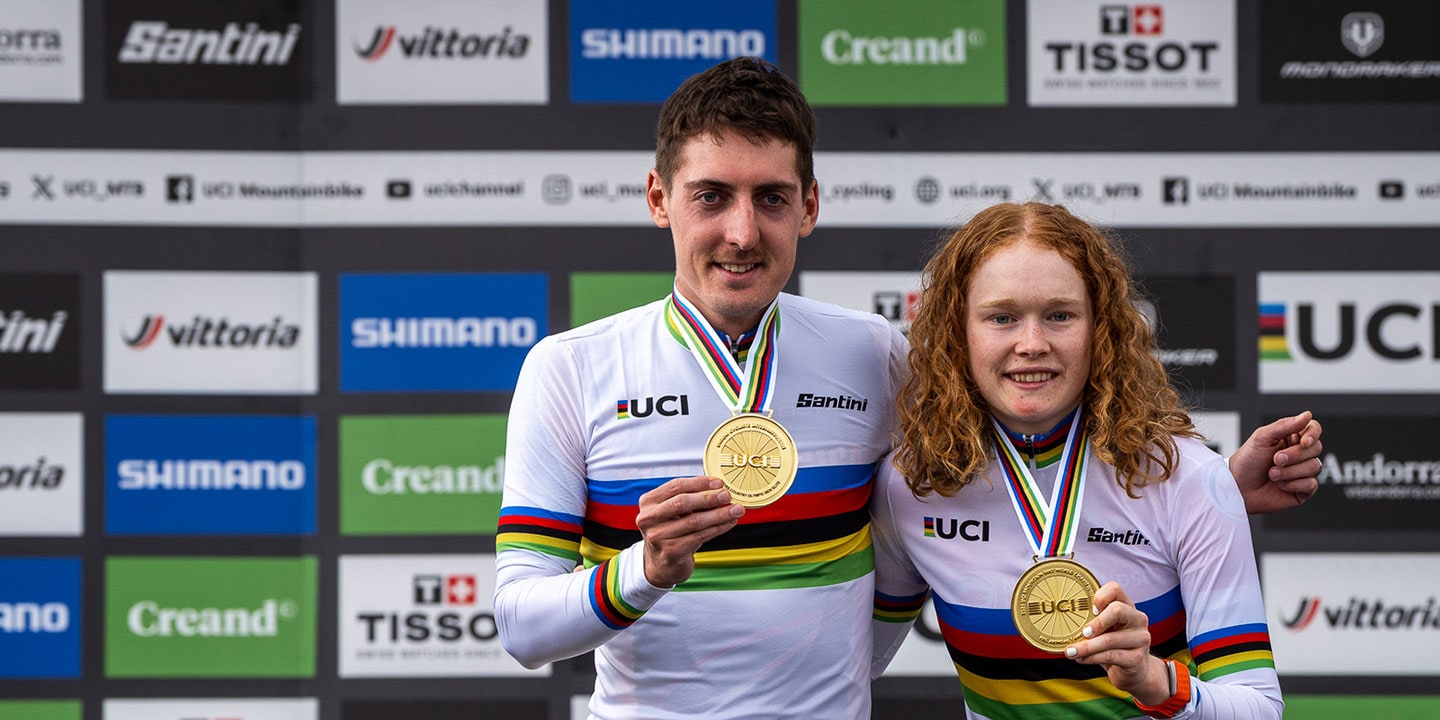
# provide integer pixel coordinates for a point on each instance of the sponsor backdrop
(268, 269)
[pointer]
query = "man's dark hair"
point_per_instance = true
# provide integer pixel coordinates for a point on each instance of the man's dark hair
(748, 95)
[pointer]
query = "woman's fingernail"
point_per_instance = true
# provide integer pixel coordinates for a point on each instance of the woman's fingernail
(1071, 652)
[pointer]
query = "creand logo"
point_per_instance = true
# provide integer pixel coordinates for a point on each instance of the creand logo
(382, 476)
(443, 44)
(149, 619)
(211, 332)
(156, 42)
(842, 47)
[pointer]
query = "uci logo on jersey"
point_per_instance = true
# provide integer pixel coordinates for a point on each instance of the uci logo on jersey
(949, 528)
(666, 405)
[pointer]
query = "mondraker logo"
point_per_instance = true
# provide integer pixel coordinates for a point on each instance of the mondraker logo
(670, 44)
(154, 41)
(950, 528)
(1362, 33)
(1364, 614)
(20, 333)
(838, 402)
(207, 332)
(665, 405)
(452, 43)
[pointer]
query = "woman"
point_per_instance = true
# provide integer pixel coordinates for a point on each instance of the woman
(1044, 452)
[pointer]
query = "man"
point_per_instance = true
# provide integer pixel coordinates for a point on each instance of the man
(608, 426)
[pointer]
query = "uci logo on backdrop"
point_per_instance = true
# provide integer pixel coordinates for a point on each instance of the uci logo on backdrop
(442, 332)
(1349, 332)
(641, 51)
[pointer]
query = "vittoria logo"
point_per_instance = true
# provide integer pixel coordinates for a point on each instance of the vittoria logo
(1364, 614)
(433, 42)
(951, 528)
(665, 405)
(214, 332)
(37, 476)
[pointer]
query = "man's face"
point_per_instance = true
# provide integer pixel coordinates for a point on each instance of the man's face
(737, 211)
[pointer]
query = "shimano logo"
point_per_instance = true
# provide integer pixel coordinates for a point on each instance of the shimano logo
(384, 477)
(210, 332)
(22, 334)
(670, 44)
(838, 402)
(444, 332)
(154, 41)
(25, 617)
(148, 619)
(1129, 537)
(136, 474)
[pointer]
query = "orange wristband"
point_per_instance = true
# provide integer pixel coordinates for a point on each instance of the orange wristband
(1175, 703)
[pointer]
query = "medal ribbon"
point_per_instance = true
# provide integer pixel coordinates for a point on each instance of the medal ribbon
(747, 390)
(1050, 527)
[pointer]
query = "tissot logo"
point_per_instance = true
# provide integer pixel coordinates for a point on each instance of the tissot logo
(1132, 20)
(665, 406)
(444, 589)
(441, 592)
(447, 43)
(951, 528)
(897, 306)
(210, 332)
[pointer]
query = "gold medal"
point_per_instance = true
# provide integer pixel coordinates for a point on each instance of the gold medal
(755, 458)
(1051, 603)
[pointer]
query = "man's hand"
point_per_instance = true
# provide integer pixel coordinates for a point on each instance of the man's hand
(675, 519)
(1277, 467)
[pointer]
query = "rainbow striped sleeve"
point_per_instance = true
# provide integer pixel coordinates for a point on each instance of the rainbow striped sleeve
(542, 531)
(605, 598)
(1229, 650)
(898, 609)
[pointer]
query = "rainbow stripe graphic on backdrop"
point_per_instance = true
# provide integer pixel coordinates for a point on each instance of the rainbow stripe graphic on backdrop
(1273, 345)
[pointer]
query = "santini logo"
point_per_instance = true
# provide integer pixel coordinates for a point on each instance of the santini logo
(666, 405)
(211, 332)
(434, 42)
(21, 334)
(839, 402)
(153, 41)
(1365, 615)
